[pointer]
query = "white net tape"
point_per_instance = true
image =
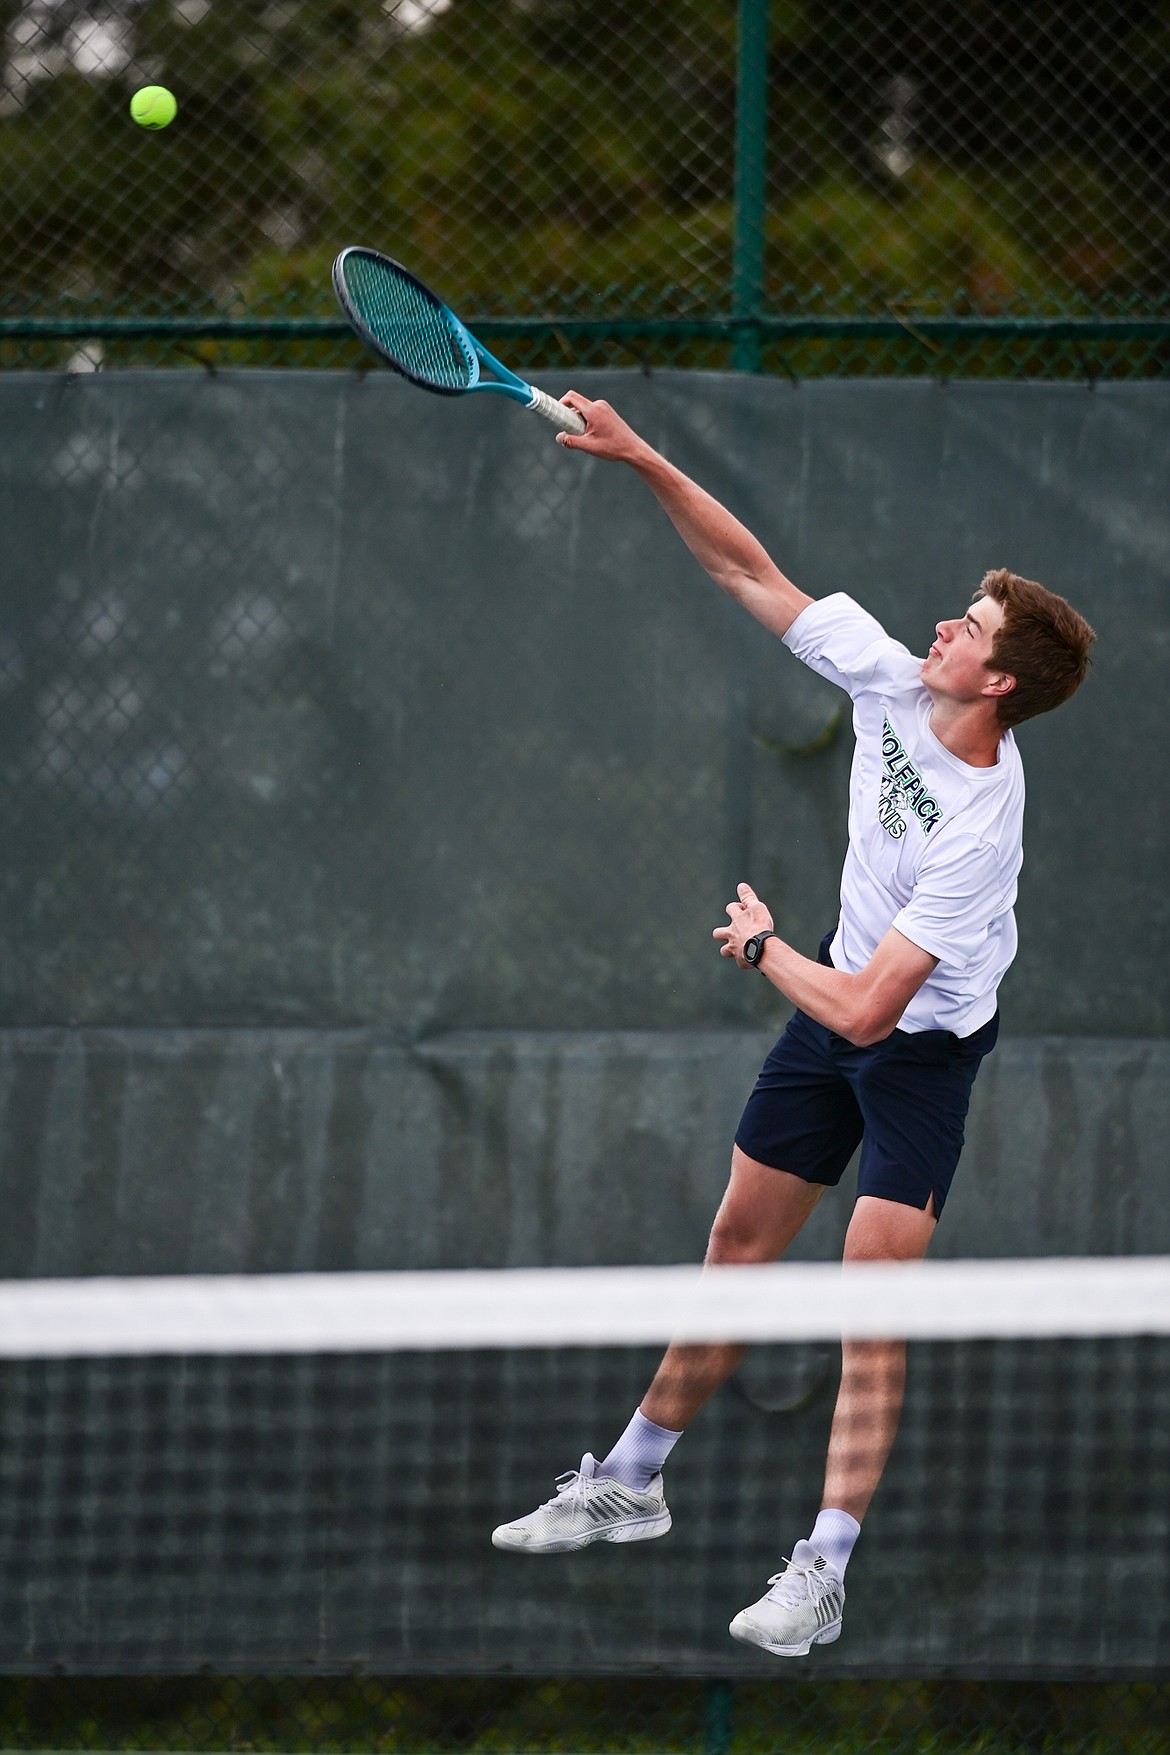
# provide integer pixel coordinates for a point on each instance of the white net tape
(554, 1307)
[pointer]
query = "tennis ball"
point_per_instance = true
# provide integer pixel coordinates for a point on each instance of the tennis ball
(153, 106)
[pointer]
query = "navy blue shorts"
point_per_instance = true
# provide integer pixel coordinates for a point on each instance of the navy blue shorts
(903, 1100)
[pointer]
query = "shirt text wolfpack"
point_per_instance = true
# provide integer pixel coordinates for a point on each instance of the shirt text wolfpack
(903, 788)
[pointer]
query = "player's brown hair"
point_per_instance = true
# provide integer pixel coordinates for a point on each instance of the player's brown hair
(1042, 642)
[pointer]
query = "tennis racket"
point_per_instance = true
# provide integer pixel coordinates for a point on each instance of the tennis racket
(403, 321)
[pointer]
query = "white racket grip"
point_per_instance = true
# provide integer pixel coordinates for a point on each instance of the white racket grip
(567, 419)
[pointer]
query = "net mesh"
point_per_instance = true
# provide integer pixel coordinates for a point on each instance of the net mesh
(272, 1506)
(401, 318)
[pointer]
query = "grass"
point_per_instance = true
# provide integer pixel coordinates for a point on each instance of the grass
(452, 1715)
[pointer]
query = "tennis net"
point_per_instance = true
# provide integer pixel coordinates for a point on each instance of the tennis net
(274, 1474)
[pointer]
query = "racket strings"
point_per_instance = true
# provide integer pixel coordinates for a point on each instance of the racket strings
(411, 328)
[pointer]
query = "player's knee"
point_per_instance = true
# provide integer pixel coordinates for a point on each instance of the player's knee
(735, 1239)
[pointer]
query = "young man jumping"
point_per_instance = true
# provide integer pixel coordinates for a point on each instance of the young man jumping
(893, 1019)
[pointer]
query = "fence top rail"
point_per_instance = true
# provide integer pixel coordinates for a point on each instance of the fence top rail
(828, 328)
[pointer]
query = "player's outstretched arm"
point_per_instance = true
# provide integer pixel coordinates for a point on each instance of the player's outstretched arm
(719, 542)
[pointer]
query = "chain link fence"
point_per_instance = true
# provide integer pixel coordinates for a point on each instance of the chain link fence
(203, 749)
(806, 186)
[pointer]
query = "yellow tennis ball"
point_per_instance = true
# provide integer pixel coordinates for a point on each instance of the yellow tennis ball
(153, 106)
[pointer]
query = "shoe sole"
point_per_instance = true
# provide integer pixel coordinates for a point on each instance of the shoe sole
(645, 1530)
(749, 1634)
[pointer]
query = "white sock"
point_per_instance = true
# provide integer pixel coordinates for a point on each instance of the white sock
(834, 1534)
(639, 1453)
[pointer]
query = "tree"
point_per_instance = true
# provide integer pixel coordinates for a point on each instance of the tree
(576, 155)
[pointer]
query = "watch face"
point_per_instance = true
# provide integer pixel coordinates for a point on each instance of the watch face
(751, 949)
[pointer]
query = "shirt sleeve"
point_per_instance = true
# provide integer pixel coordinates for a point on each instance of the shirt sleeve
(841, 641)
(958, 897)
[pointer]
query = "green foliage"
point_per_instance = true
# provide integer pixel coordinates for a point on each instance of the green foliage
(449, 1715)
(939, 245)
(576, 156)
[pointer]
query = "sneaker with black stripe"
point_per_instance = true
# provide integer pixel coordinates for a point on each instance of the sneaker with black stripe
(802, 1609)
(588, 1507)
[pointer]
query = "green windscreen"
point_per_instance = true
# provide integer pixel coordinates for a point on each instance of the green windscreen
(374, 773)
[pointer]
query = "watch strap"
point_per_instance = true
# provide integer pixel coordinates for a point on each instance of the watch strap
(757, 939)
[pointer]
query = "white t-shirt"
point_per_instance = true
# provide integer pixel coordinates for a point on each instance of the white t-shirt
(935, 846)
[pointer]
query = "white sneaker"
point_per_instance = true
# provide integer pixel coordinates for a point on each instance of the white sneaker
(588, 1508)
(802, 1609)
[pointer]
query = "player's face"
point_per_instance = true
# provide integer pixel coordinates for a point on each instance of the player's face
(958, 663)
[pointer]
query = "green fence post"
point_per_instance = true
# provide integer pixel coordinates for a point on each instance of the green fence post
(751, 152)
(717, 1703)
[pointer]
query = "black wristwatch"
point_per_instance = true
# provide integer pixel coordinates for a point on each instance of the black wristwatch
(753, 948)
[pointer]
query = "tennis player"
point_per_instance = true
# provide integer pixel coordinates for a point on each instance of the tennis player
(894, 1016)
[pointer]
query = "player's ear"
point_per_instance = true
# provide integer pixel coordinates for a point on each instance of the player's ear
(999, 683)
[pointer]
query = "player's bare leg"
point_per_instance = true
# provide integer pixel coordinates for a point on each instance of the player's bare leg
(760, 1214)
(621, 1500)
(873, 1373)
(805, 1603)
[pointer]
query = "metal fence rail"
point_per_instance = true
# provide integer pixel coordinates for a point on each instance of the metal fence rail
(814, 186)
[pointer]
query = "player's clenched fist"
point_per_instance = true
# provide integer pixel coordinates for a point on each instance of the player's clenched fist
(606, 433)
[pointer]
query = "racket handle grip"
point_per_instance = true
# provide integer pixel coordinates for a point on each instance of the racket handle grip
(567, 419)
